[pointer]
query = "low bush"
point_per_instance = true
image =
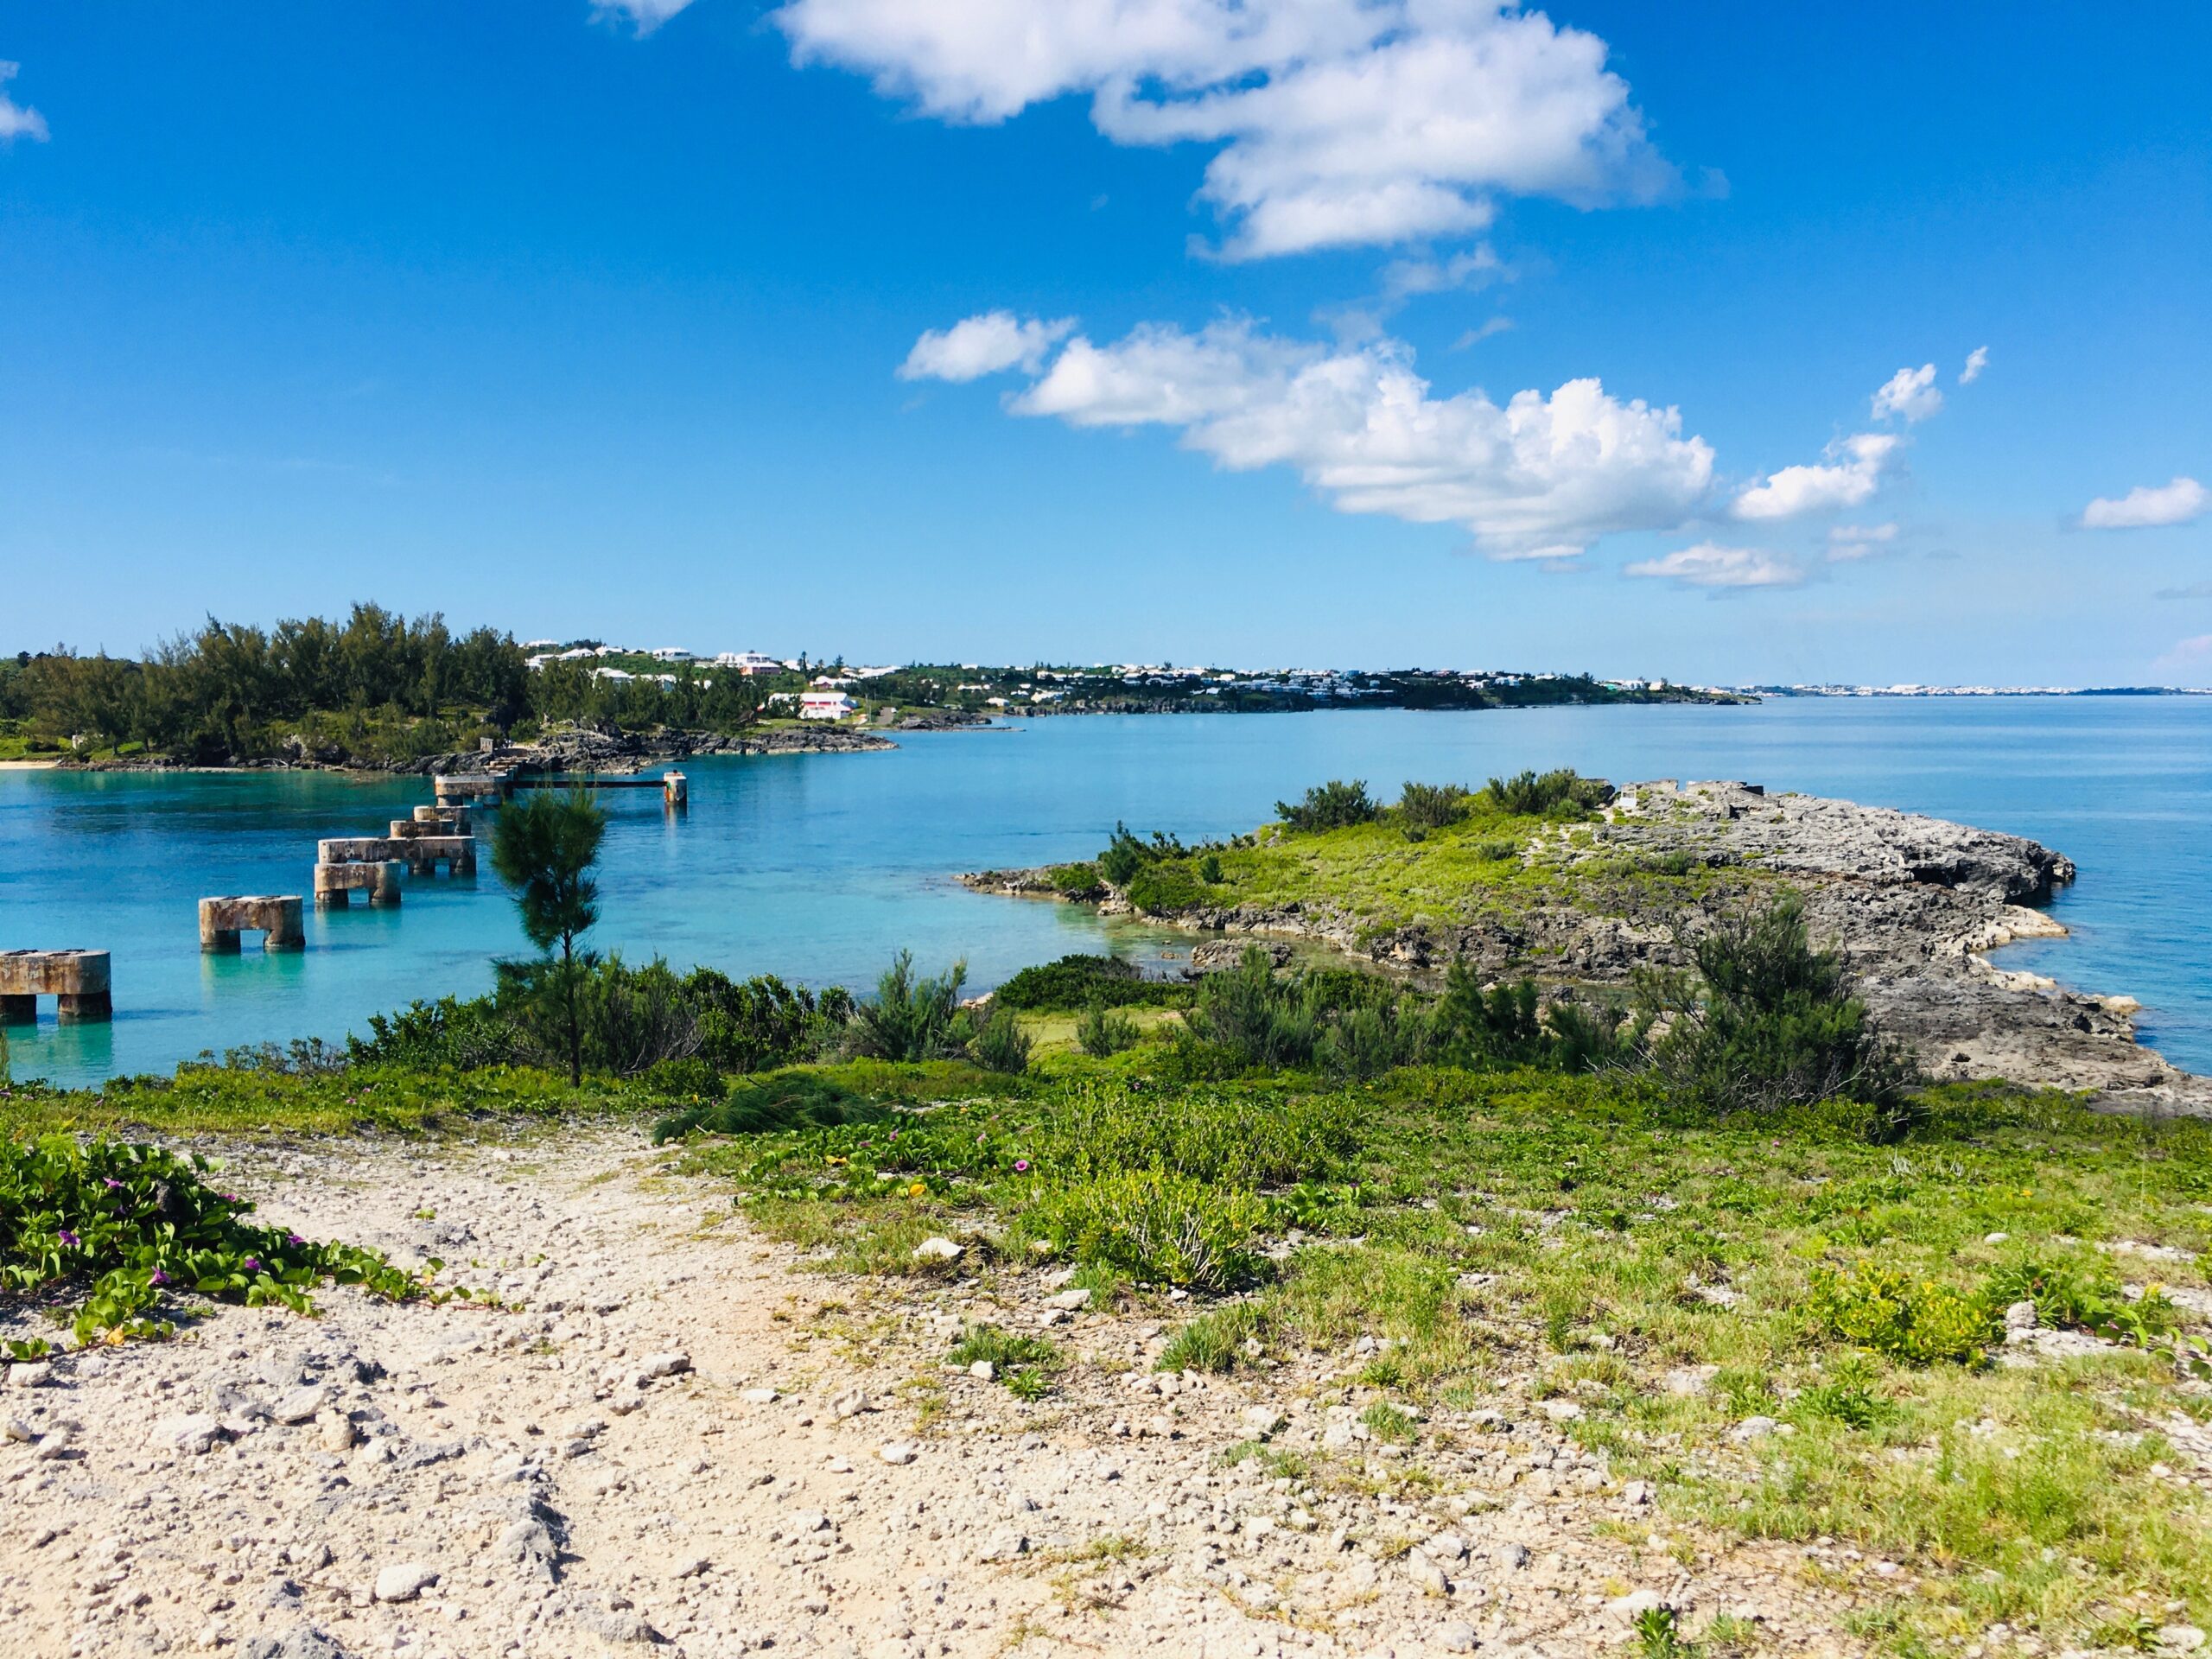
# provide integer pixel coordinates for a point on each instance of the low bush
(1162, 889)
(1101, 1034)
(795, 1101)
(1331, 806)
(1213, 1136)
(1560, 793)
(121, 1226)
(1433, 806)
(1153, 1225)
(910, 1019)
(1076, 880)
(1002, 1045)
(1075, 983)
(1886, 1310)
(1767, 1021)
(1212, 1342)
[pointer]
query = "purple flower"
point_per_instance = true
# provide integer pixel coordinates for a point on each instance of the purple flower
(1021, 1166)
(294, 1239)
(253, 1264)
(69, 1238)
(160, 1278)
(112, 1182)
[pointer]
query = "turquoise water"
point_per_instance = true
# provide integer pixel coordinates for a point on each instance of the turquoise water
(819, 867)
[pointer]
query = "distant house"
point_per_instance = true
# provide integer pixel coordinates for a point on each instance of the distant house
(618, 674)
(581, 654)
(825, 705)
(671, 654)
(747, 662)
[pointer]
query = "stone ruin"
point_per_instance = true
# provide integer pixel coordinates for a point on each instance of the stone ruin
(275, 916)
(77, 980)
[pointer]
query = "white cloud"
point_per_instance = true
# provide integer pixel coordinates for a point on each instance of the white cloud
(645, 15)
(1338, 122)
(1475, 336)
(989, 344)
(17, 120)
(1977, 361)
(1848, 541)
(1847, 480)
(1910, 392)
(1709, 565)
(1541, 477)
(1478, 268)
(2147, 504)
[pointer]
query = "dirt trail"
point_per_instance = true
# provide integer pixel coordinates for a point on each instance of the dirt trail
(600, 1466)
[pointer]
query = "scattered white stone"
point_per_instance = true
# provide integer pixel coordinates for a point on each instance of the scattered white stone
(656, 1366)
(898, 1453)
(300, 1406)
(2020, 1316)
(17, 1429)
(1426, 1575)
(404, 1581)
(1445, 1547)
(759, 1396)
(35, 1374)
(936, 1249)
(335, 1431)
(2180, 1638)
(1458, 1636)
(1691, 1380)
(1754, 1429)
(984, 1372)
(849, 1403)
(193, 1432)
(1559, 1411)
(1264, 1420)
(1070, 1300)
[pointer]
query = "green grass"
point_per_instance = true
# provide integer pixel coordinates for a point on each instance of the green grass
(1486, 864)
(1488, 1224)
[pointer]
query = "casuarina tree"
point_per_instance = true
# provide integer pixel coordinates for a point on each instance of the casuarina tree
(544, 848)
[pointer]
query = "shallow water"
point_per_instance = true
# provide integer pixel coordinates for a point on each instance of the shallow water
(819, 867)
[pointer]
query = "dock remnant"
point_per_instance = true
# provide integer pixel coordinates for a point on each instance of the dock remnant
(336, 883)
(421, 853)
(78, 981)
(276, 917)
(675, 789)
(456, 787)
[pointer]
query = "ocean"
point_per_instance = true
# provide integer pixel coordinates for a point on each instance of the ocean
(818, 867)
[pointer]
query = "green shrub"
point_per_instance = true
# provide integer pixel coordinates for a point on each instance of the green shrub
(1154, 1225)
(694, 1077)
(1076, 880)
(910, 1019)
(1497, 851)
(1768, 1021)
(1002, 1045)
(794, 1101)
(119, 1226)
(1076, 982)
(1211, 1134)
(988, 1344)
(1331, 806)
(1563, 793)
(1433, 806)
(1886, 1310)
(1101, 1034)
(2082, 1292)
(1850, 1394)
(1162, 889)
(1210, 870)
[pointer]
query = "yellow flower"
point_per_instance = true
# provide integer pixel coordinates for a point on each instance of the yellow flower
(917, 1189)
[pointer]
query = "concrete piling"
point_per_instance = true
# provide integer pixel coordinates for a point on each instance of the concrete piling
(336, 882)
(421, 853)
(78, 981)
(276, 917)
(676, 789)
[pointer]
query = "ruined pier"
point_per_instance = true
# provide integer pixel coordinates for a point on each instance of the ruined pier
(276, 917)
(336, 884)
(76, 979)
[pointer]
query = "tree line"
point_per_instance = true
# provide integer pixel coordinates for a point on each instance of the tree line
(232, 690)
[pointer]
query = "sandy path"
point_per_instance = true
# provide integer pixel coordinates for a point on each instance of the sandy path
(513, 1487)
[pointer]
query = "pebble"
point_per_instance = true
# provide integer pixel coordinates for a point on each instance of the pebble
(936, 1249)
(404, 1581)
(759, 1396)
(898, 1453)
(1458, 1636)
(300, 1406)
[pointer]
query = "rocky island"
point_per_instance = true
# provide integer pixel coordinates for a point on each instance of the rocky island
(1916, 904)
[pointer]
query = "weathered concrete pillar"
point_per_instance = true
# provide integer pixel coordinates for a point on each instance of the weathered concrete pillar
(276, 917)
(77, 980)
(336, 883)
(676, 789)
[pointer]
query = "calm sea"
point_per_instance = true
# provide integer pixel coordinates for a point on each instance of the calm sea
(819, 867)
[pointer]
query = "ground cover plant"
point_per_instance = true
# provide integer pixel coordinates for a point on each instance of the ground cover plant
(99, 1233)
(1596, 1238)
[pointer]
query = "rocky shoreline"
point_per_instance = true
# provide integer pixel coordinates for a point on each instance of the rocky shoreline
(1914, 902)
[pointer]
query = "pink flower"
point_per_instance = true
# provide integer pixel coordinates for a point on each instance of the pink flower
(253, 1264)
(160, 1278)
(1021, 1166)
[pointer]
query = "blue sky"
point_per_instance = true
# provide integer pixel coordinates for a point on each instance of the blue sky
(1154, 329)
